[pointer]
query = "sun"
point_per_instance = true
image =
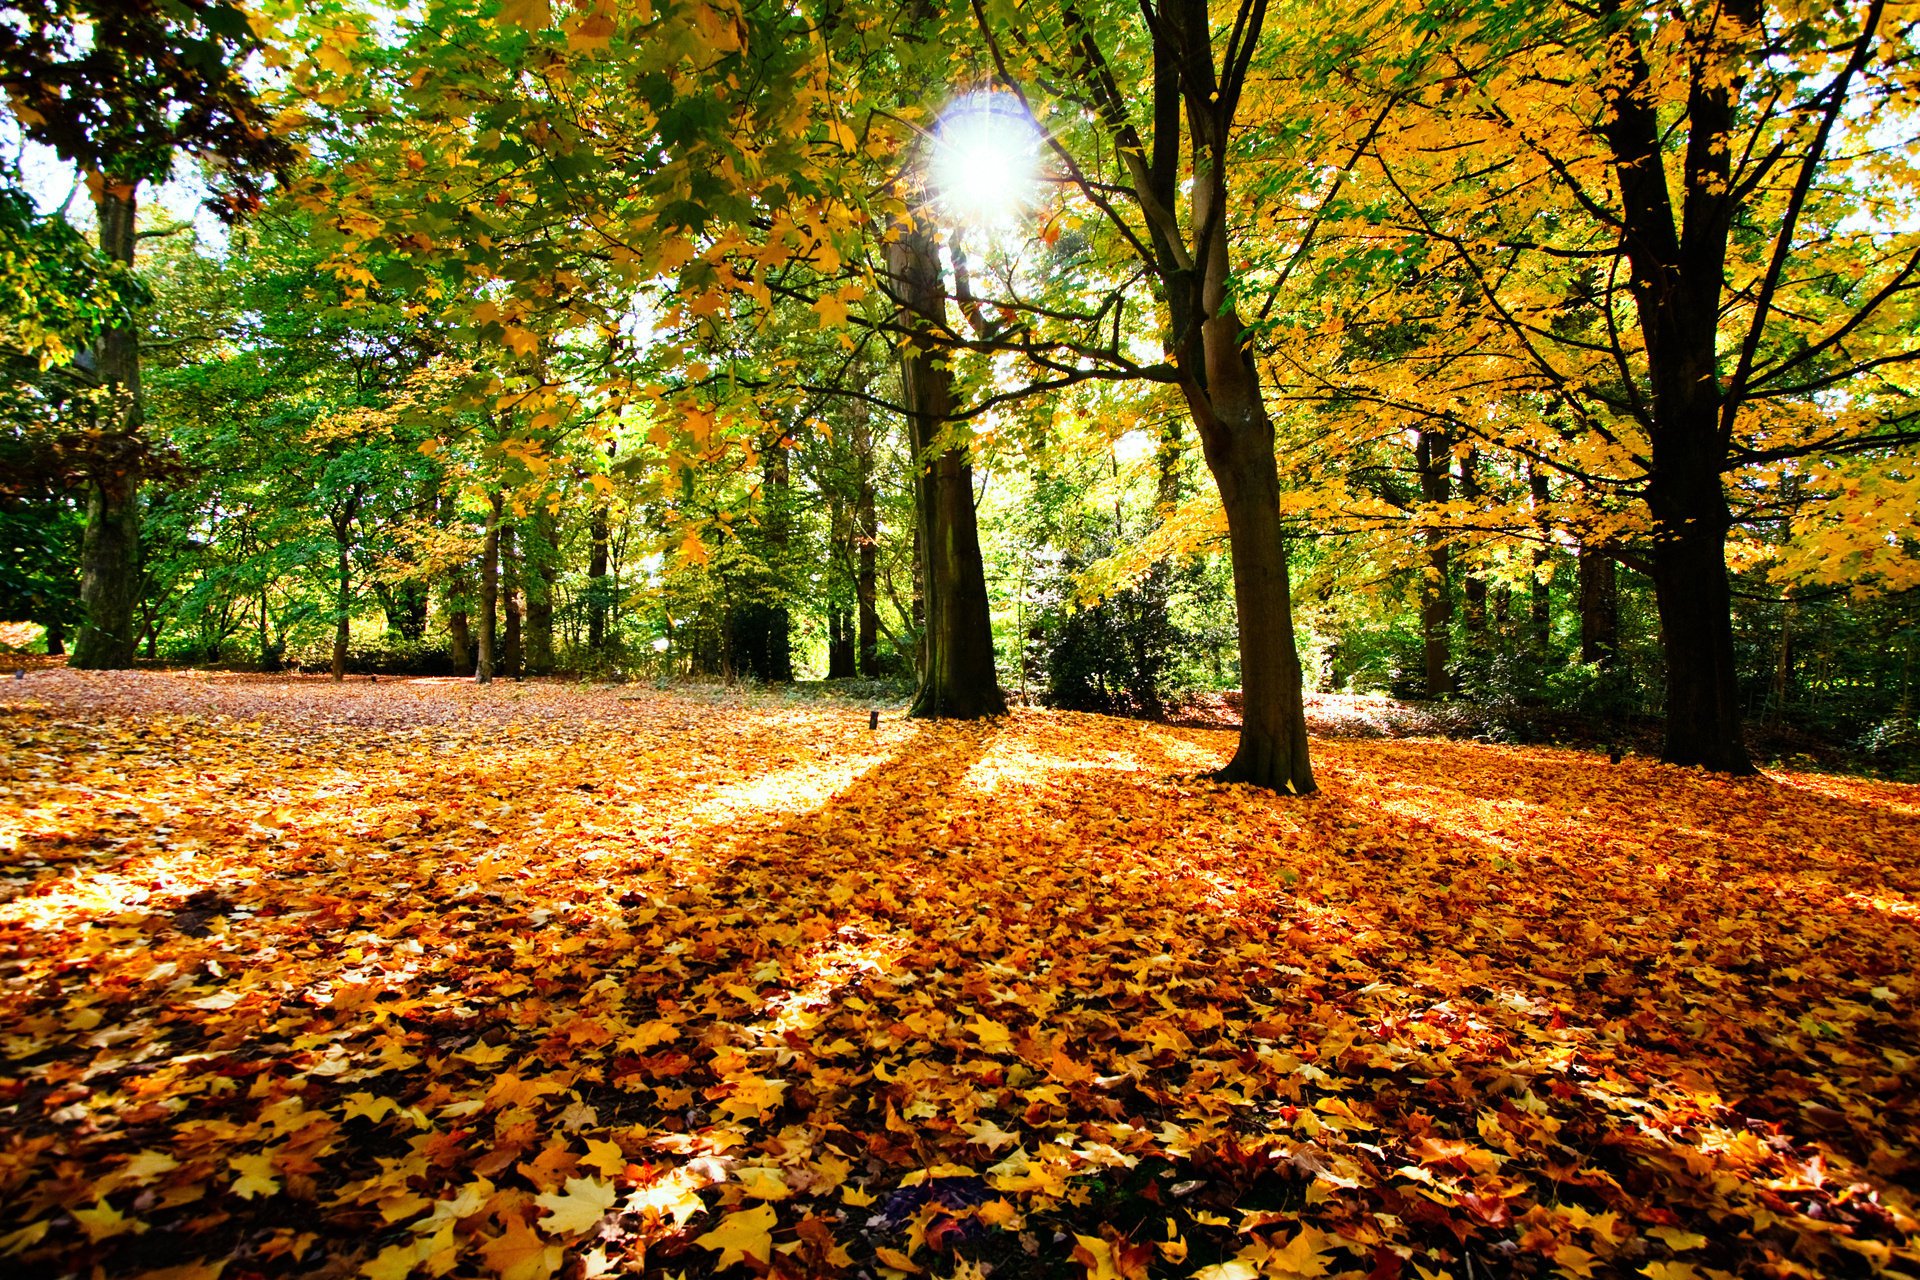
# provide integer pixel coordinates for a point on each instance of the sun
(985, 168)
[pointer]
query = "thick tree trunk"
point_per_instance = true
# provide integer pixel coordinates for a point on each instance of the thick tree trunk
(460, 640)
(1272, 751)
(269, 655)
(1221, 383)
(1436, 591)
(489, 592)
(958, 679)
(866, 537)
(1540, 584)
(110, 546)
(1599, 608)
(343, 602)
(1690, 584)
(598, 588)
(840, 646)
(779, 623)
(512, 655)
(1473, 587)
(542, 558)
(1679, 279)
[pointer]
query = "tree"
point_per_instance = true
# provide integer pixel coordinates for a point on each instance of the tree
(1681, 270)
(957, 676)
(118, 87)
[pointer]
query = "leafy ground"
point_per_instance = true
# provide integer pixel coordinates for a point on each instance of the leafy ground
(414, 977)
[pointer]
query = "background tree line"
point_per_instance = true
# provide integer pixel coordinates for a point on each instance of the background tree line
(1545, 364)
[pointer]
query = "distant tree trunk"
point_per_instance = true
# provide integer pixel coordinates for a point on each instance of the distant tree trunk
(1783, 661)
(1539, 585)
(460, 640)
(598, 588)
(958, 678)
(269, 659)
(1433, 453)
(56, 636)
(1473, 587)
(779, 530)
(512, 655)
(110, 546)
(1599, 608)
(489, 590)
(542, 556)
(342, 520)
(840, 645)
(866, 537)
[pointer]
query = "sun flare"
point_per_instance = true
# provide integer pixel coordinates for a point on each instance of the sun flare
(986, 159)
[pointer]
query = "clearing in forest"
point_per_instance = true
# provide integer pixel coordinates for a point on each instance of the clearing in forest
(422, 978)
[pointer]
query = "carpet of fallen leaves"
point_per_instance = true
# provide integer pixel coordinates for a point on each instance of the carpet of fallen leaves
(416, 978)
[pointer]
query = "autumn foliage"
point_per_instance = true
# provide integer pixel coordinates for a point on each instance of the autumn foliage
(425, 979)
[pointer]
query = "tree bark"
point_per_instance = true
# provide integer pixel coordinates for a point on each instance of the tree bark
(1599, 608)
(342, 520)
(958, 678)
(1221, 383)
(1540, 583)
(1473, 587)
(598, 588)
(1689, 560)
(1433, 454)
(779, 528)
(489, 591)
(542, 557)
(110, 546)
(866, 537)
(1678, 277)
(512, 655)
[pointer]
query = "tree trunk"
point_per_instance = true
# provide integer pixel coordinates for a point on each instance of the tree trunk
(1540, 584)
(1678, 278)
(1473, 587)
(343, 601)
(866, 537)
(1221, 383)
(460, 641)
(1272, 751)
(542, 556)
(958, 679)
(56, 636)
(110, 546)
(840, 646)
(489, 591)
(512, 655)
(1436, 593)
(1703, 707)
(598, 589)
(779, 623)
(1599, 608)
(269, 660)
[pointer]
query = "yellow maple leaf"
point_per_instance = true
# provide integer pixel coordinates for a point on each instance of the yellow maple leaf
(256, 1176)
(763, 1183)
(577, 1208)
(103, 1222)
(745, 1233)
(519, 1254)
(832, 312)
(534, 15)
(605, 1156)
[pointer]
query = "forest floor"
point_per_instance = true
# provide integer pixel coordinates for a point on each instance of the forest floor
(422, 978)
